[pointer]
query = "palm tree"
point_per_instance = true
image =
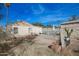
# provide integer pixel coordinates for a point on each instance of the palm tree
(7, 12)
(1, 16)
(7, 5)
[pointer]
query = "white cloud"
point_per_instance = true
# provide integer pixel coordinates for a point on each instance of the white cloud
(40, 9)
(49, 15)
(52, 18)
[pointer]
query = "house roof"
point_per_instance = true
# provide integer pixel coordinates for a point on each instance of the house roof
(70, 22)
(22, 23)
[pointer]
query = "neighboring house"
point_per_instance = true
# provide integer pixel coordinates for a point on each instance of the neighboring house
(22, 29)
(49, 30)
(54, 28)
(70, 25)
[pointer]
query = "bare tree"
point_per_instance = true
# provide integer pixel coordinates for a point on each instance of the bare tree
(74, 17)
(38, 24)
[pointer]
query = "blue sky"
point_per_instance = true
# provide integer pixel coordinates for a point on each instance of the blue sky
(46, 13)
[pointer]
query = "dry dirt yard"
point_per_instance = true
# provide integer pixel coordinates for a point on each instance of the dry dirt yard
(38, 48)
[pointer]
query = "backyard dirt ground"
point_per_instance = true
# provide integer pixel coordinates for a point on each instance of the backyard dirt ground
(38, 48)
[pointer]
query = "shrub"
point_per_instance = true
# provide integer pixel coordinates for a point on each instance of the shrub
(68, 32)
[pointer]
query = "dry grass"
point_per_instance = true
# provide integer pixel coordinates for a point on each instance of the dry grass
(74, 46)
(33, 46)
(8, 42)
(61, 51)
(35, 49)
(38, 48)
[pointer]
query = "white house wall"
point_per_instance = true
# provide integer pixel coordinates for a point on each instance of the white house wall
(23, 30)
(36, 30)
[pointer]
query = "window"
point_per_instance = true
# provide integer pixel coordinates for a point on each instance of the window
(15, 30)
(29, 29)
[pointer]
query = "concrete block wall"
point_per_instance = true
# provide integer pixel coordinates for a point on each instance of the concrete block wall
(74, 35)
